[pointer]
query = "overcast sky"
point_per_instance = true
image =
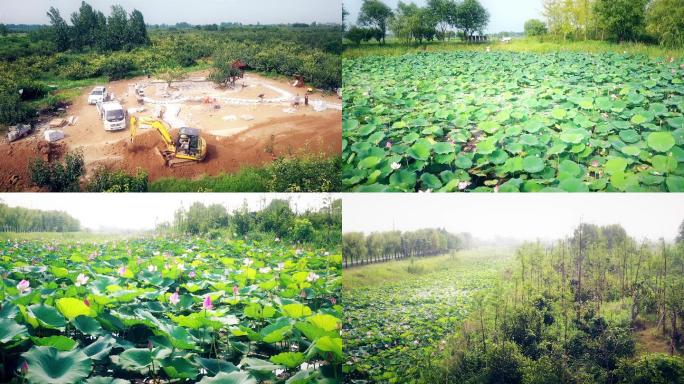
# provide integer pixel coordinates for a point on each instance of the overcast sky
(520, 216)
(139, 211)
(505, 15)
(193, 12)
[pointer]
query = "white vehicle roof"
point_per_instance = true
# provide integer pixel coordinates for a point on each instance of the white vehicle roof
(111, 106)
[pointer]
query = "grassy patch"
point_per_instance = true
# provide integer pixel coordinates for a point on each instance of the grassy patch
(395, 48)
(309, 174)
(395, 271)
(65, 236)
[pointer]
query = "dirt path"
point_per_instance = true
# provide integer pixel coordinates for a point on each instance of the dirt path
(237, 135)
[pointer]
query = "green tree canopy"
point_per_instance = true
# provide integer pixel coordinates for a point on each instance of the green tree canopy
(375, 14)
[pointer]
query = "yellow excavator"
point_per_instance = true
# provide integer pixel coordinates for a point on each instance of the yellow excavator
(189, 147)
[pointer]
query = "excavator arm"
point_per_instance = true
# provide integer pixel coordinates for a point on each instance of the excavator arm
(157, 125)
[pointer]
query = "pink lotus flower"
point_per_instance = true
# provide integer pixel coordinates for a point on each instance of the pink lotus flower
(333, 300)
(122, 270)
(24, 286)
(192, 274)
(388, 145)
(207, 303)
(463, 185)
(86, 302)
(181, 267)
(174, 299)
(149, 345)
(595, 163)
(302, 294)
(235, 290)
(24, 367)
(81, 279)
(496, 189)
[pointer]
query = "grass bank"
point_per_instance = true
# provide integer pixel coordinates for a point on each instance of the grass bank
(308, 174)
(373, 275)
(396, 48)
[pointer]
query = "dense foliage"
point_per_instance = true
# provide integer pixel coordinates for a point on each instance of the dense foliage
(617, 20)
(18, 219)
(313, 174)
(275, 220)
(568, 313)
(169, 309)
(106, 180)
(58, 176)
(393, 332)
(410, 22)
(513, 122)
(90, 29)
(359, 248)
(34, 60)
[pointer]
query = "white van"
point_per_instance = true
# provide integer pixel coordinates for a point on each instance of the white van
(97, 95)
(113, 115)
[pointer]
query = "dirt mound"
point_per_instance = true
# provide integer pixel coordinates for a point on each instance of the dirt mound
(14, 172)
(260, 144)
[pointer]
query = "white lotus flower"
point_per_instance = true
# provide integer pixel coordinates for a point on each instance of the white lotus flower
(81, 279)
(152, 268)
(312, 277)
(395, 166)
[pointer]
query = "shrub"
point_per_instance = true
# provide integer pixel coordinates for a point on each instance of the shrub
(305, 175)
(12, 110)
(302, 230)
(58, 176)
(118, 67)
(656, 368)
(105, 180)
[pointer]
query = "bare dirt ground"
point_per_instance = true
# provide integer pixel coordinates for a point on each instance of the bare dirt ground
(238, 133)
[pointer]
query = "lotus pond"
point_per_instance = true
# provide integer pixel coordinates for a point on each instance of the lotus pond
(508, 121)
(393, 331)
(169, 310)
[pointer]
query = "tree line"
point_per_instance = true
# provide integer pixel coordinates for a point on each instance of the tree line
(648, 21)
(275, 220)
(90, 29)
(439, 19)
(18, 219)
(568, 312)
(359, 248)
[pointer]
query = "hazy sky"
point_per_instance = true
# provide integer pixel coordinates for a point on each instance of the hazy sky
(137, 211)
(520, 216)
(193, 12)
(505, 15)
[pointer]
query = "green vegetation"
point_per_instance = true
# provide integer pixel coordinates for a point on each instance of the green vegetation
(527, 45)
(411, 23)
(105, 180)
(277, 220)
(571, 311)
(312, 174)
(18, 219)
(173, 309)
(58, 176)
(394, 245)
(397, 320)
(93, 47)
(508, 121)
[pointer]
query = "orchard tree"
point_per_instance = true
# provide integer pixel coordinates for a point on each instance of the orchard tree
(534, 27)
(375, 14)
(471, 17)
(622, 20)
